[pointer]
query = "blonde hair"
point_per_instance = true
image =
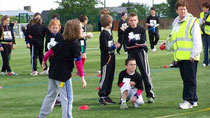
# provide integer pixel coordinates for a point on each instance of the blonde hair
(54, 22)
(104, 11)
(72, 30)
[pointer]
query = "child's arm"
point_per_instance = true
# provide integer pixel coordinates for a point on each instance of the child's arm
(78, 63)
(46, 57)
(120, 80)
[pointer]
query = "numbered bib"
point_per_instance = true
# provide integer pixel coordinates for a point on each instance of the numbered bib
(7, 35)
(82, 42)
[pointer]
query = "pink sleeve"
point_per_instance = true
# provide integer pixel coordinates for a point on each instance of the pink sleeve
(121, 84)
(139, 92)
(48, 55)
(79, 68)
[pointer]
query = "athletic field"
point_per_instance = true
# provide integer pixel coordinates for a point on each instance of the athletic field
(22, 95)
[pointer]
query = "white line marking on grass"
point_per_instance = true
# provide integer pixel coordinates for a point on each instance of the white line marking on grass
(207, 109)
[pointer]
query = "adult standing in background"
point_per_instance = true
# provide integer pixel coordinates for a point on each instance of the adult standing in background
(205, 32)
(187, 45)
(153, 22)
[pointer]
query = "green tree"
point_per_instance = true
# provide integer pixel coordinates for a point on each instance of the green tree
(172, 8)
(70, 9)
(162, 10)
(141, 9)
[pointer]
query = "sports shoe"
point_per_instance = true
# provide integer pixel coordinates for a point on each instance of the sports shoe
(34, 73)
(123, 105)
(12, 74)
(185, 105)
(195, 104)
(126, 53)
(108, 100)
(45, 72)
(118, 53)
(102, 101)
(150, 100)
(3, 73)
(204, 65)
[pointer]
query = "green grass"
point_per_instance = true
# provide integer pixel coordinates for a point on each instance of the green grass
(22, 95)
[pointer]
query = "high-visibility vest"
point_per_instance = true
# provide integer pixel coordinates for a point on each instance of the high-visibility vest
(201, 16)
(207, 27)
(182, 40)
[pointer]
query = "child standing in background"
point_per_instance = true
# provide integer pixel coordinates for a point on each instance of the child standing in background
(7, 43)
(61, 65)
(107, 48)
(37, 33)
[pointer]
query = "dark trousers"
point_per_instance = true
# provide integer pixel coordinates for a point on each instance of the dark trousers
(206, 48)
(142, 62)
(188, 71)
(36, 51)
(153, 38)
(5, 57)
(122, 43)
(107, 74)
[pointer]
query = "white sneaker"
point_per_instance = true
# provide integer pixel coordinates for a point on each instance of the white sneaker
(3, 73)
(195, 104)
(45, 72)
(185, 105)
(123, 105)
(34, 73)
(126, 53)
(154, 50)
(204, 65)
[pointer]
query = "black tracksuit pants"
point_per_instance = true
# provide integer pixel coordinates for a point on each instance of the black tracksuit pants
(107, 74)
(141, 58)
(36, 51)
(153, 38)
(188, 71)
(5, 57)
(122, 43)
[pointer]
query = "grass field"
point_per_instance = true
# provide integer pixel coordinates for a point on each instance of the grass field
(22, 95)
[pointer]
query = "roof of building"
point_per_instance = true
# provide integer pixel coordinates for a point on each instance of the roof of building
(15, 12)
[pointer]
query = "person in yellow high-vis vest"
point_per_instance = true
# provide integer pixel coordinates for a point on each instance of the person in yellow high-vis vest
(205, 32)
(187, 45)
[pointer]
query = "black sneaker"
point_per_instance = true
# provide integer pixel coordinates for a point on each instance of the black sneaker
(58, 103)
(102, 101)
(108, 100)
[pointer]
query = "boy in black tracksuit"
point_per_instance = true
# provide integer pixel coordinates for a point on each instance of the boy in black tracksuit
(37, 32)
(7, 41)
(121, 28)
(107, 48)
(153, 22)
(135, 39)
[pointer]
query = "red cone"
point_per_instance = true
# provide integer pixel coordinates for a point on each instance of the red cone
(99, 75)
(165, 66)
(84, 107)
(1, 87)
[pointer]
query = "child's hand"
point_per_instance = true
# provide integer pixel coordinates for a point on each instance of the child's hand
(89, 35)
(84, 83)
(132, 83)
(117, 45)
(28, 45)
(1, 49)
(13, 47)
(43, 64)
(134, 99)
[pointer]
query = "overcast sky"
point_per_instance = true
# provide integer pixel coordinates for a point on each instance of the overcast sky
(40, 5)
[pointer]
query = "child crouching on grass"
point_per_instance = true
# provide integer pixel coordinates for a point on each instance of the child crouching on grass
(130, 83)
(61, 65)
